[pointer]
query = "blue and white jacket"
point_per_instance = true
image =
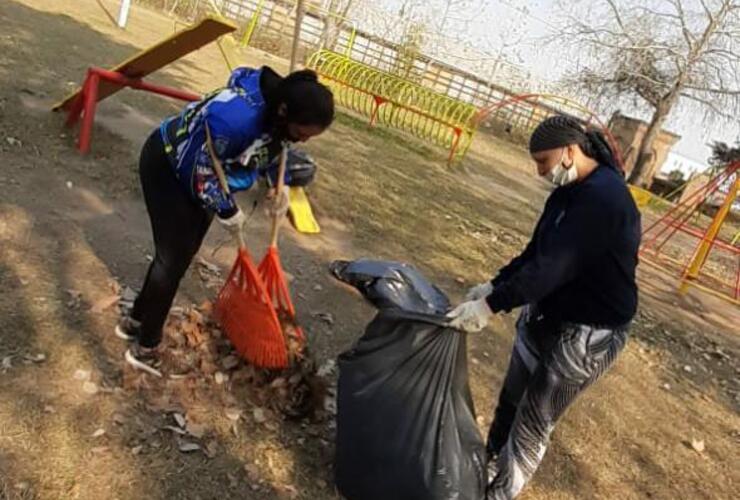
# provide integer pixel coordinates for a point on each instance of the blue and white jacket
(235, 118)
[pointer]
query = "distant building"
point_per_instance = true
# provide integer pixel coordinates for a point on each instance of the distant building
(688, 167)
(629, 132)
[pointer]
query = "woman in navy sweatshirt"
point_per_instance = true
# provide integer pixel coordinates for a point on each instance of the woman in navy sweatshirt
(576, 283)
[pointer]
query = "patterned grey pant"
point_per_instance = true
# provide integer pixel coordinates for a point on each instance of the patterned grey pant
(540, 384)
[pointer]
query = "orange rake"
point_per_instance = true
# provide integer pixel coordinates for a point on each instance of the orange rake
(244, 308)
(246, 313)
(271, 269)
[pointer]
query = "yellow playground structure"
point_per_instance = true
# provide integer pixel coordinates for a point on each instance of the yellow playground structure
(399, 103)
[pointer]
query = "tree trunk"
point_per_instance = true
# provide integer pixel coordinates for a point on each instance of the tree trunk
(333, 22)
(639, 175)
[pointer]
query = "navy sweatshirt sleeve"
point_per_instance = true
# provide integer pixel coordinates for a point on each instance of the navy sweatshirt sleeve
(574, 230)
(517, 262)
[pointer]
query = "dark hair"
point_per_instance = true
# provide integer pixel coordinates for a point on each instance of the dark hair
(307, 101)
(559, 131)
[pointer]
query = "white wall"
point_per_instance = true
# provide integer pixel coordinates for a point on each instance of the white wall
(676, 161)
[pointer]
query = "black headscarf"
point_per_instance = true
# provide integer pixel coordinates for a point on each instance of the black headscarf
(559, 131)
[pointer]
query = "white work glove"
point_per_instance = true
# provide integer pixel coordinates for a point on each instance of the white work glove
(279, 202)
(235, 223)
(471, 316)
(479, 291)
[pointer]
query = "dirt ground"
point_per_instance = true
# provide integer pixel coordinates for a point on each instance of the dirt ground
(662, 424)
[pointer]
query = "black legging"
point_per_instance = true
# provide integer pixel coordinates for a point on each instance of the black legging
(179, 225)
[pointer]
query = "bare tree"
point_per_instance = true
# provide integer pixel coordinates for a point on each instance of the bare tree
(335, 18)
(660, 53)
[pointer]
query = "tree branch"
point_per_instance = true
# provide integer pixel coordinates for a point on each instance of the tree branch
(708, 104)
(618, 18)
(687, 35)
(713, 90)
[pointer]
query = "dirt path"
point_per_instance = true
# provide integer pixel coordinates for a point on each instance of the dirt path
(73, 228)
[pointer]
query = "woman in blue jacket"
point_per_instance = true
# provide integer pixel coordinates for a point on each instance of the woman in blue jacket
(249, 121)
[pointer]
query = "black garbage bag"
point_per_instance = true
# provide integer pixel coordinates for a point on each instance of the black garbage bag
(392, 285)
(406, 426)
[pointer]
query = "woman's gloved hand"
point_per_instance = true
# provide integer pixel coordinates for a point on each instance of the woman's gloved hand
(235, 223)
(479, 291)
(471, 316)
(279, 202)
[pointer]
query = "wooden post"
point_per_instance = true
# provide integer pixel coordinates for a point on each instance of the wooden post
(123, 13)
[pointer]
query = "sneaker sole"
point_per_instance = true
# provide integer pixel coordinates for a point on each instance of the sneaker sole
(138, 365)
(123, 335)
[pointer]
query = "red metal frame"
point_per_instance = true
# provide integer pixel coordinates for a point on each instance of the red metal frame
(86, 101)
(685, 208)
(531, 99)
(676, 219)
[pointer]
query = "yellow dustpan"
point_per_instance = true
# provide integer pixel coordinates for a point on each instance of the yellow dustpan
(300, 212)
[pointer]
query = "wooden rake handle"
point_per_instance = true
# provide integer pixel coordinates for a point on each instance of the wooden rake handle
(222, 178)
(276, 220)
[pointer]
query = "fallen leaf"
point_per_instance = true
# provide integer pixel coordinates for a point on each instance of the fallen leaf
(259, 415)
(179, 419)
(103, 304)
(209, 266)
(698, 445)
(128, 295)
(176, 430)
(206, 308)
(187, 447)
(98, 433)
(253, 472)
(233, 414)
(330, 404)
(211, 448)
(220, 378)
(287, 490)
(136, 450)
(82, 375)
(196, 430)
(230, 362)
(278, 382)
(233, 481)
(49, 409)
(327, 368)
(317, 287)
(90, 387)
(327, 318)
(7, 362)
(35, 358)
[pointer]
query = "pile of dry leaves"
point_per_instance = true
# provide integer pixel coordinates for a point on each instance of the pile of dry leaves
(196, 356)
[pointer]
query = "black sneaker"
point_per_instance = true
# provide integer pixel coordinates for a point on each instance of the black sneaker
(128, 329)
(145, 359)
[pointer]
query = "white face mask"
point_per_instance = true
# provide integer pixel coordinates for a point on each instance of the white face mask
(560, 175)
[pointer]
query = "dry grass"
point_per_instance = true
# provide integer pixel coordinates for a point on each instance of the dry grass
(379, 194)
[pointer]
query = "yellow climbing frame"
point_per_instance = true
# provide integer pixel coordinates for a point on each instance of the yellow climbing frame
(393, 101)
